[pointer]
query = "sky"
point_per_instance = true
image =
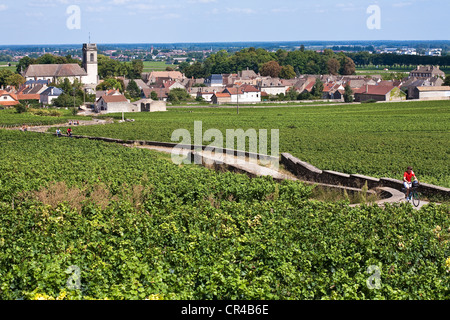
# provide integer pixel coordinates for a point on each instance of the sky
(174, 21)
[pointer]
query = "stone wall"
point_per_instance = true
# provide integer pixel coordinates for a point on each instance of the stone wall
(308, 172)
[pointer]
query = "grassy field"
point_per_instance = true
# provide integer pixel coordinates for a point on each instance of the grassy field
(150, 66)
(4, 65)
(380, 139)
(370, 70)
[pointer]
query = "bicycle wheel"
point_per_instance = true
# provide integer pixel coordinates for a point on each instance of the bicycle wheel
(415, 198)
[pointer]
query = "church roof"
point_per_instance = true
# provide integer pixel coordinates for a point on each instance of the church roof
(55, 70)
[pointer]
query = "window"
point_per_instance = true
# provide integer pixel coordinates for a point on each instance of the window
(92, 57)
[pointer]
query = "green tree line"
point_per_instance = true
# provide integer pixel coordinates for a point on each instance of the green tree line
(282, 63)
(387, 59)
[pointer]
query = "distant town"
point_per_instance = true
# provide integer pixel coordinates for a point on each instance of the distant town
(113, 79)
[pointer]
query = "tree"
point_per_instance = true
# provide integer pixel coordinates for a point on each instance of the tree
(447, 80)
(4, 75)
(153, 95)
(133, 89)
(348, 94)
(305, 95)
(67, 101)
(136, 69)
(110, 83)
(317, 89)
(197, 70)
(20, 108)
(15, 80)
(348, 66)
(287, 72)
(292, 94)
(24, 63)
(271, 69)
(178, 95)
(333, 66)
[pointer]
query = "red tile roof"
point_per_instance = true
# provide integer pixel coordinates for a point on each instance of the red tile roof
(374, 90)
(118, 98)
(21, 96)
(249, 88)
(222, 95)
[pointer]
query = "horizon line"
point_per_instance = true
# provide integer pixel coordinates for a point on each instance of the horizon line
(220, 42)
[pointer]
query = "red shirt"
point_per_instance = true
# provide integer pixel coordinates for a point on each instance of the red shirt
(408, 176)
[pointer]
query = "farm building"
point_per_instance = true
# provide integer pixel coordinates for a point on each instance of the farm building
(220, 98)
(149, 105)
(431, 93)
(379, 93)
(113, 104)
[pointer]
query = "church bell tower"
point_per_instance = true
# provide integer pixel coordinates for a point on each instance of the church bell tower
(90, 63)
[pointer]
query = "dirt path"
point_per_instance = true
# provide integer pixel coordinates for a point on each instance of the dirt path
(67, 124)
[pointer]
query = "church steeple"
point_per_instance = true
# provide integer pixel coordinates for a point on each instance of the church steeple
(90, 63)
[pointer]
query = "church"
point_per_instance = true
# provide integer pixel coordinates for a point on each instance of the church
(87, 75)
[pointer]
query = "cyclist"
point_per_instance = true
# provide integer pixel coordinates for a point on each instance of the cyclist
(407, 181)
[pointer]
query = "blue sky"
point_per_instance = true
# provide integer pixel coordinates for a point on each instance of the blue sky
(169, 21)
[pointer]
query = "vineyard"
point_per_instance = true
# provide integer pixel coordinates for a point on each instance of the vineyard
(136, 226)
(378, 140)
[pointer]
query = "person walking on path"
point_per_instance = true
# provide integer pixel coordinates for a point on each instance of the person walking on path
(69, 132)
(58, 132)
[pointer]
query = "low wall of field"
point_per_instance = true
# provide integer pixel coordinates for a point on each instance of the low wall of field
(308, 172)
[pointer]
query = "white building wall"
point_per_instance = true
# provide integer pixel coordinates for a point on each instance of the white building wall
(434, 95)
(274, 90)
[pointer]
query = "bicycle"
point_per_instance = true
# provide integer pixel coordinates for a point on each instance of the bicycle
(413, 193)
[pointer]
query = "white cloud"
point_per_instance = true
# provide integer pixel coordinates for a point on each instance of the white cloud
(3, 7)
(241, 10)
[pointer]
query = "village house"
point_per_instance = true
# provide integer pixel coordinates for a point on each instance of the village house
(214, 80)
(8, 99)
(149, 105)
(206, 95)
(31, 92)
(244, 94)
(272, 86)
(431, 93)
(221, 98)
(111, 92)
(333, 90)
(379, 93)
(50, 94)
(114, 104)
(151, 78)
(247, 74)
(427, 72)
(139, 82)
